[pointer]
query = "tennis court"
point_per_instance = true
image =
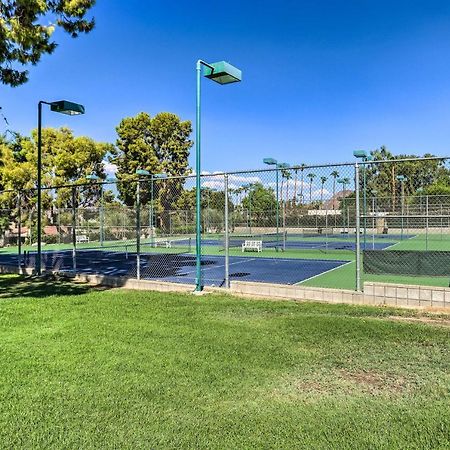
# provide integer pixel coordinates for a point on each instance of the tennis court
(316, 244)
(178, 267)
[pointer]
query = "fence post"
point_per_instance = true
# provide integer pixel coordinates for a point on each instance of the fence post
(426, 230)
(74, 230)
(357, 230)
(138, 230)
(19, 229)
(373, 222)
(227, 236)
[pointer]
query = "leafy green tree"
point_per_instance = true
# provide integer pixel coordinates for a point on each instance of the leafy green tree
(24, 36)
(159, 144)
(263, 203)
(66, 159)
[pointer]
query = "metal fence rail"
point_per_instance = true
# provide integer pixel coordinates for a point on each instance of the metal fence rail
(287, 225)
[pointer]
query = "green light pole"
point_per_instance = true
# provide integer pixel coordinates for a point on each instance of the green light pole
(365, 157)
(223, 73)
(284, 176)
(62, 107)
(140, 173)
(274, 162)
(374, 215)
(402, 180)
(344, 182)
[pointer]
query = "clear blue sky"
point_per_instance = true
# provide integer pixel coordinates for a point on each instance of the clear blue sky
(321, 78)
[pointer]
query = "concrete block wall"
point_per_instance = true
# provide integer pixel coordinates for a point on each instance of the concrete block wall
(409, 296)
(379, 294)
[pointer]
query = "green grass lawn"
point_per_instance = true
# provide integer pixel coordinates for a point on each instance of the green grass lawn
(99, 368)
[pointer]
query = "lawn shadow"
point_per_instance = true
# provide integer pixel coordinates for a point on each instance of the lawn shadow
(14, 286)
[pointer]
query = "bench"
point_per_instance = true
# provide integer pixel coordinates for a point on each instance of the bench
(82, 238)
(163, 243)
(252, 245)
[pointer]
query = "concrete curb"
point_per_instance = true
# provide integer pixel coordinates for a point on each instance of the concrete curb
(377, 294)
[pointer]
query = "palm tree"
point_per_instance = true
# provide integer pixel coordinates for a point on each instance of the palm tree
(322, 181)
(334, 174)
(295, 185)
(288, 176)
(302, 168)
(311, 177)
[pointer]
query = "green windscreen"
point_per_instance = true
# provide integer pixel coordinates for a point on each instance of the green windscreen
(406, 262)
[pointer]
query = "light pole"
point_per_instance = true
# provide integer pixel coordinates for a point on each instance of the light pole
(274, 162)
(365, 157)
(140, 173)
(402, 180)
(343, 181)
(374, 215)
(63, 107)
(284, 175)
(223, 73)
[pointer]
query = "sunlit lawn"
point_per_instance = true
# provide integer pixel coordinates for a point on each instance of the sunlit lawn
(97, 368)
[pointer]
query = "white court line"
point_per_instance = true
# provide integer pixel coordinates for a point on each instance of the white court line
(322, 273)
(392, 245)
(245, 259)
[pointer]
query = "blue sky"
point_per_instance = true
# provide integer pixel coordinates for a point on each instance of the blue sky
(320, 78)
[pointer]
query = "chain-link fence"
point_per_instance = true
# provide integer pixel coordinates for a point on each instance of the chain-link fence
(307, 225)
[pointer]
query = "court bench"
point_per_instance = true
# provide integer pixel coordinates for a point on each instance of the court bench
(252, 245)
(82, 238)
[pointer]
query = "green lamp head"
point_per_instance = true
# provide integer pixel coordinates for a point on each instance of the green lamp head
(65, 107)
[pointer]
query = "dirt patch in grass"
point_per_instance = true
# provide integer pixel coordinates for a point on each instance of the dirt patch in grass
(439, 321)
(343, 382)
(373, 382)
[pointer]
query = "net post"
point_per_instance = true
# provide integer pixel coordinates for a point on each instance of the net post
(227, 236)
(74, 228)
(357, 229)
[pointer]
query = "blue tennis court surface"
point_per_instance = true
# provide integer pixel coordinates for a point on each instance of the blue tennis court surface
(310, 244)
(181, 267)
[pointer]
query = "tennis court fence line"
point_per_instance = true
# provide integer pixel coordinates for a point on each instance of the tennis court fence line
(295, 225)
